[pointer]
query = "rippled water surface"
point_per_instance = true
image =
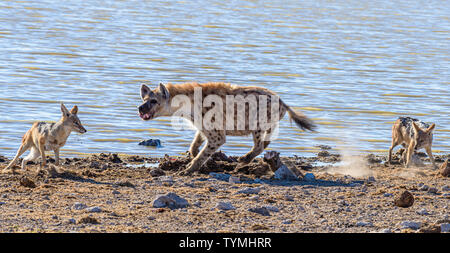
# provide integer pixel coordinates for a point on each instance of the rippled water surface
(352, 66)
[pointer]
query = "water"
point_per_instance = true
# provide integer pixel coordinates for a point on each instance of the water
(352, 66)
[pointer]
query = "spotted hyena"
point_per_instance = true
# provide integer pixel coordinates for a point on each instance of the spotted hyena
(217, 110)
(413, 134)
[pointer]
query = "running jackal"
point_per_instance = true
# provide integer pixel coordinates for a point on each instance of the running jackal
(48, 136)
(217, 110)
(413, 134)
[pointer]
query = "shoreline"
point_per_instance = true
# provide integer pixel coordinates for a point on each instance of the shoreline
(117, 193)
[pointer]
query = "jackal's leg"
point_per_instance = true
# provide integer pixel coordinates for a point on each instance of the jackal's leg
(32, 156)
(196, 143)
(430, 155)
(410, 152)
(258, 148)
(42, 151)
(214, 139)
(56, 156)
(24, 147)
(393, 145)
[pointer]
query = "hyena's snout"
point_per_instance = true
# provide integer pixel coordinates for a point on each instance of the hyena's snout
(144, 111)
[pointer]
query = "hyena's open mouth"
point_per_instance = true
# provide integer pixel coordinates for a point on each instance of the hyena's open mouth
(146, 116)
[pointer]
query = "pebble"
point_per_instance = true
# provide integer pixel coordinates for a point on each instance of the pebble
(220, 176)
(406, 199)
(433, 190)
(388, 194)
(423, 211)
(410, 224)
(249, 190)
(364, 224)
(260, 210)
(115, 192)
(234, 180)
(272, 208)
(445, 228)
(225, 206)
(445, 188)
(284, 173)
(71, 221)
(309, 177)
(79, 206)
(254, 198)
(94, 209)
(423, 187)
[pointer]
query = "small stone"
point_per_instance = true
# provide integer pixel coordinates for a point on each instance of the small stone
(445, 188)
(309, 177)
(287, 222)
(371, 179)
(79, 206)
(410, 224)
(115, 192)
(220, 176)
(260, 210)
(288, 197)
(249, 190)
(386, 231)
(225, 206)
(423, 187)
(388, 194)
(234, 180)
(433, 190)
(272, 208)
(71, 221)
(406, 199)
(94, 209)
(254, 198)
(423, 211)
(88, 220)
(364, 224)
(445, 228)
(284, 173)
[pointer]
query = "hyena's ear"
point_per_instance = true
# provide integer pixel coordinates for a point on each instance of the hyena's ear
(64, 111)
(74, 110)
(430, 129)
(164, 92)
(145, 91)
(416, 127)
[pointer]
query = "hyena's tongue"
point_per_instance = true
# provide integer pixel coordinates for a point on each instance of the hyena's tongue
(145, 116)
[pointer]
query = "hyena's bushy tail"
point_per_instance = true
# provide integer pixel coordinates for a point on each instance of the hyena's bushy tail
(300, 120)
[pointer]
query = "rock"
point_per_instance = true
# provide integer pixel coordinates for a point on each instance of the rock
(260, 210)
(272, 208)
(170, 200)
(115, 192)
(249, 190)
(423, 211)
(284, 173)
(364, 224)
(309, 177)
(151, 142)
(94, 209)
(125, 184)
(445, 188)
(71, 221)
(371, 179)
(79, 206)
(424, 188)
(445, 169)
(406, 199)
(157, 172)
(115, 159)
(225, 206)
(386, 231)
(433, 190)
(25, 181)
(323, 153)
(88, 220)
(220, 176)
(410, 224)
(387, 194)
(234, 180)
(445, 228)
(431, 229)
(273, 159)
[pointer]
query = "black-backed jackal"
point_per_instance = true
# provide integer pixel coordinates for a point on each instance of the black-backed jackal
(48, 136)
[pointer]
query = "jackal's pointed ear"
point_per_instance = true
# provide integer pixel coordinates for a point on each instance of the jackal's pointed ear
(416, 127)
(164, 92)
(74, 110)
(64, 111)
(145, 91)
(431, 128)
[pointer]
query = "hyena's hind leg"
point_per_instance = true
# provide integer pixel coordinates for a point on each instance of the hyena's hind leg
(214, 139)
(258, 147)
(196, 143)
(24, 147)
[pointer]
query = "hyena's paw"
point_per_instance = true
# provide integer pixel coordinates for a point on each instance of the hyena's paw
(190, 169)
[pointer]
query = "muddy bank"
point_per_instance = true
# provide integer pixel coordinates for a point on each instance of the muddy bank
(333, 193)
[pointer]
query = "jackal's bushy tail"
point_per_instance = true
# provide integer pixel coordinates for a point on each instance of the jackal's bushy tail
(300, 120)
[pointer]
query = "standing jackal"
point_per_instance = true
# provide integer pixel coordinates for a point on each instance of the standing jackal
(218, 110)
(413, 134)
(48, 136)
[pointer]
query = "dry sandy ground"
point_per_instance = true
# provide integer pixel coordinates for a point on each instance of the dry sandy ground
(110, 193)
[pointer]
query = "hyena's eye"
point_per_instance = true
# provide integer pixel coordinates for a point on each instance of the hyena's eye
(153, 101)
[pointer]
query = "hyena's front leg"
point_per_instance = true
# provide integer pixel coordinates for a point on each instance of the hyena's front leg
(214, 139)
(196, 143)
